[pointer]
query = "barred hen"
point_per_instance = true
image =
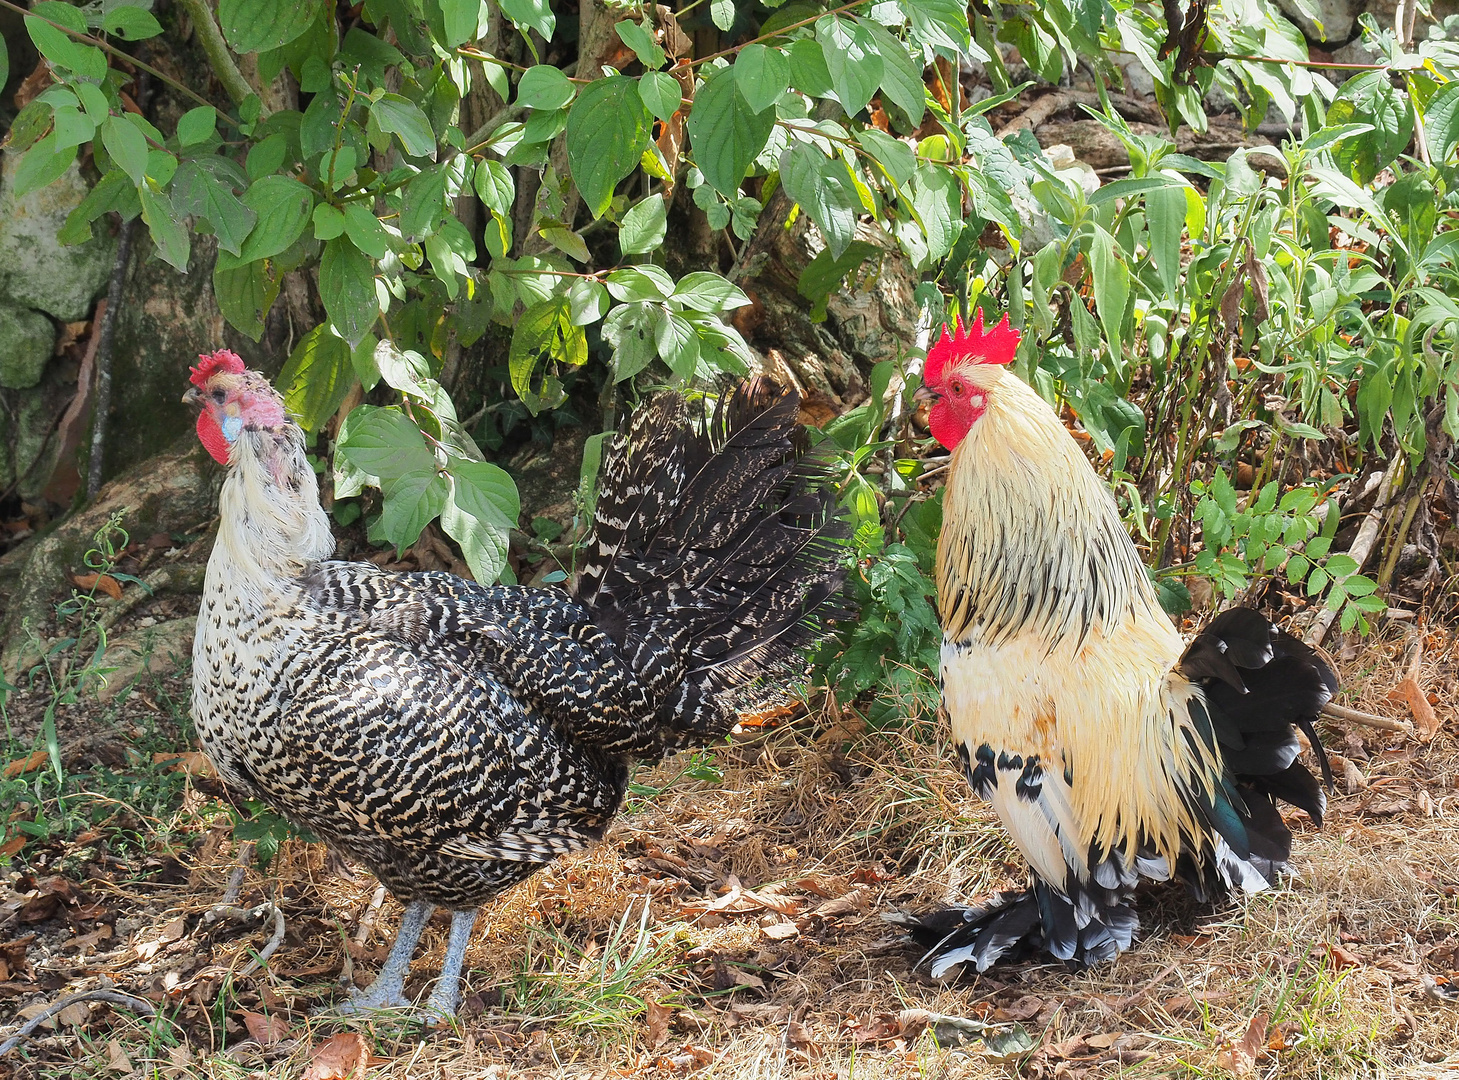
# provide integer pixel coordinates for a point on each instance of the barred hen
(455, 737)
(1110, 750)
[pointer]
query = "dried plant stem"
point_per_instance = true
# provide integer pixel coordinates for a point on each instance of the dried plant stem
(1357, 716)
(140, 1006)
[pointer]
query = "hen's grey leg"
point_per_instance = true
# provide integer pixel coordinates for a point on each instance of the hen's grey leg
(447, 994)
(388, 989)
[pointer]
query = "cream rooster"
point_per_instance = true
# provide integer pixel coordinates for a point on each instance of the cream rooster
(456, 736)
(1110, 750)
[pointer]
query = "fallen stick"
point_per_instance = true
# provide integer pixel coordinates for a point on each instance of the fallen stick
(140, 1006)
(1357, 716)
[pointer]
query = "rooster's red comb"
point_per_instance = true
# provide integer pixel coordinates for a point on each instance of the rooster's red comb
(212, 363)
(996, 346)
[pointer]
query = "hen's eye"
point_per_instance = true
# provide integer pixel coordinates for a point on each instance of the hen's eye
(219, 396)
(956, 387)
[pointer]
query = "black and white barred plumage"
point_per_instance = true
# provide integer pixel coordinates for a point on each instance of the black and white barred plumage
(453, 736)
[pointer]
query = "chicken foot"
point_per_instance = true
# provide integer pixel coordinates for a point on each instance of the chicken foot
(388, 989)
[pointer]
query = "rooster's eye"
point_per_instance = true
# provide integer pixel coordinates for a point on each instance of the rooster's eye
(956, 387)
(219, 396)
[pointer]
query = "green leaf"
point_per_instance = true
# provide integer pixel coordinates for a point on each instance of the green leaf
(893, 155)
(198, 192)
(566, 241)
(256, 25)
(131, 23)
(607, 132)
(640, 39)
(588, 300)
(646, 282)
(126, 145)
(643, 226)
(495, 187)
(630, 329)
(1165, 216)
(245, 292)
(1342, 565)
(937, 198)
(704, 291)
(167, 231)
(808, 71)
(726, 135)
(43, 164)
(941, 22)
(384, 443)
(283, 206)
(901, 77)
(364, 229)
(423, 203)
(545, 327)
(403, 118)
(852, 58)
(544, 87)
(533, 14)
(678, 344)
(1371, 99)
(64, 51)
(412, 502)
(1441, 121)
(347, 287)
(484, 548)
(825, 190)
(197, 125)
(316, 377)
(824, 274)
(762, 75)
(1111, 287)
(461, 19)
(4, 62)
(661, 93)
(722, 13)
(328, 222)
(487, 493)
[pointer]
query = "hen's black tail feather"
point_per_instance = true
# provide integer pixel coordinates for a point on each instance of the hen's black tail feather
(715, 544)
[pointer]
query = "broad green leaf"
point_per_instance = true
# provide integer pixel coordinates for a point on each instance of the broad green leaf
(643, 226)
(901, 77)
(1441, 122)
(725, 134)
(384, 443)
(678, 344)
(607, 132)
(544, 328)
(1370, 98)
(630, 329)
(126, 145)
(64, 51)
(825, 190)
(256, 25)
(1165, 216)
(283, 206)
(640, 39)
(484, 548)
(131, 23)
(808, 71)
(762, 74)
(364, 228)
(533, 14)
(167, 232)
(197, 125)
(43, 164)
(941, 22)
(704, 291)
(423, 203)
(461, 19)
(588, 300)
(328, 222)
(722, 13)
(824, 274)
(566, 241)
(347, 287)
(245, 292)
(198, 192)
(486, 492)
(4, 62)
(544, 87)
(316, 377)
(661, 93)
(852, 58)
(403, 118)
(893, 155)
(494, 186)
(646, 282)
(937, 198)
(113, 192)
(412, 502)
(1111, 287)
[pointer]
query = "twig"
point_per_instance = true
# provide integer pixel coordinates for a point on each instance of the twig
(235, 879)
(1362, 545)
(141, 1006)
(216, 50)
(224, 911)
(1356, 716)
(367, 920)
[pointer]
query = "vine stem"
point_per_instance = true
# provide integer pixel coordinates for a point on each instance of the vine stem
(216, 49)
(1319, 64)
(128, 57)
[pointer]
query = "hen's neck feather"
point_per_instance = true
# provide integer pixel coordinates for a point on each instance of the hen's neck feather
(1032, 540)
(271, 524)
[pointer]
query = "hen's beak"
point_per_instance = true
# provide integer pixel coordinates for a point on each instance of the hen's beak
(192, 397)
(925, 395)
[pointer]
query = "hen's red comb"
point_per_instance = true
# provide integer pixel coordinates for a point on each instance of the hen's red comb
(996, 346)
(212, 363)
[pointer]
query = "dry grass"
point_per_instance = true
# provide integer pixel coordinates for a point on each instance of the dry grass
(608, 964)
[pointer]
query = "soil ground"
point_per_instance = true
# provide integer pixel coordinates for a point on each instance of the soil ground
(731, 925)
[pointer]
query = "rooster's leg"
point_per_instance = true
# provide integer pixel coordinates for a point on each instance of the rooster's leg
(447, 994)
(388, 989)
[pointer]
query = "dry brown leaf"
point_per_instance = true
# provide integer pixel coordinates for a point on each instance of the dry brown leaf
(29, 763)
(1425, 720)
(266, 1029)
(105, 582)
(798, 1038)
(192, 762)
(75, 1014)
(1343, 958)
(339, 1057)
(658, 1017)
(11, 846)
(1241, 1057)
(116, 1058)
(781, 931)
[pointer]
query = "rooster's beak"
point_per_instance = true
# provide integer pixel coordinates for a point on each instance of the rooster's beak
(925, 395)
(192, 397)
